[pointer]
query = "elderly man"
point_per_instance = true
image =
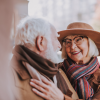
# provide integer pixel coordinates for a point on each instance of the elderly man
(34, 56)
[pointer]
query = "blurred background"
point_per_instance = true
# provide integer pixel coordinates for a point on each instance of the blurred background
(58, 12)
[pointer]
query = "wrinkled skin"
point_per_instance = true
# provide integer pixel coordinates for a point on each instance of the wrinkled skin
(46, 89)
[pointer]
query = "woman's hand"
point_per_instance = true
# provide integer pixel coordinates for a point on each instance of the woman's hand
(46, 89)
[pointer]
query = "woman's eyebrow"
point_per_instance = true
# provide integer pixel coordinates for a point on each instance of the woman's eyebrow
(67, 39)
(73, 38)
(77, 36)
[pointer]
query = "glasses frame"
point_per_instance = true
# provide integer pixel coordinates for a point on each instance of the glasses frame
(64, 40)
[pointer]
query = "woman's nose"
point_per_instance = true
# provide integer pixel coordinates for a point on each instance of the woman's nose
(73, 45)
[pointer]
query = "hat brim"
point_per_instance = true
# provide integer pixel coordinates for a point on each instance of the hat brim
(94, 35)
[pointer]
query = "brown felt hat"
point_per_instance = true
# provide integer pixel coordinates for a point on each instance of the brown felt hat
(80, 28)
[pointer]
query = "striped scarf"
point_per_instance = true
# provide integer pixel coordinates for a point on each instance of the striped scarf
(79, 74)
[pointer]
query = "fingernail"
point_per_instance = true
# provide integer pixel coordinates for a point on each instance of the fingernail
(32, 79)
(31, 83)
(33, 89)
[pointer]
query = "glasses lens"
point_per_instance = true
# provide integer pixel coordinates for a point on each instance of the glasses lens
(68, 43)
(78, 40)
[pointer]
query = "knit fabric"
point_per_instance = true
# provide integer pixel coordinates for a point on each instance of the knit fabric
(79, 75)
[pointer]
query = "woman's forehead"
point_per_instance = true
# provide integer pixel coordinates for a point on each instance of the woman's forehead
(71, 36)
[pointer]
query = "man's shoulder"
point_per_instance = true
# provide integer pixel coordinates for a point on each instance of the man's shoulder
(22, 88)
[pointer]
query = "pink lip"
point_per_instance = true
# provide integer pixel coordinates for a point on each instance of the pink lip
(76, 53)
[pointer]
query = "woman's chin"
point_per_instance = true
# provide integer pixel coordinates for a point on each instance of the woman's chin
(77, 59)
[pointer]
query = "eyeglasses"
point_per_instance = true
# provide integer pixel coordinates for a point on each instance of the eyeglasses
(77, 40)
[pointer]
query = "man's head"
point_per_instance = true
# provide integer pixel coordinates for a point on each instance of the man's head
(39, 36)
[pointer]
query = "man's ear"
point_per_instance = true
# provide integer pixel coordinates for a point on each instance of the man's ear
(41, 43)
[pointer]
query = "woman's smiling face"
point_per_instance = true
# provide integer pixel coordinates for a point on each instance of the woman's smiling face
(78, 52)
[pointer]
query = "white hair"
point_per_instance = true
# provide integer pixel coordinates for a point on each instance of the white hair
(29, 28)
(51, 54)
(93, 50)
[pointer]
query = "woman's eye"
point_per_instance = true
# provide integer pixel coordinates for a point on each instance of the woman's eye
(78, 39)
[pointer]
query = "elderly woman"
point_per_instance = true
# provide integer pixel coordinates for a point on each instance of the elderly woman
(80, 48)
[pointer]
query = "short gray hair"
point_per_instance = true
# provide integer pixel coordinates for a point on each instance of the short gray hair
(93, 50)
(29, 28)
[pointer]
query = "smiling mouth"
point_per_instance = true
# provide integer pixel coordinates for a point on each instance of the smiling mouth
(75, 53)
